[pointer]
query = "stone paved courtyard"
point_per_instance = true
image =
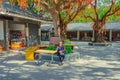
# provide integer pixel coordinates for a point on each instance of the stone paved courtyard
(96, 63)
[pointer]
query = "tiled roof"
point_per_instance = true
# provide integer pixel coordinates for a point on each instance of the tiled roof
(79, 26)
(88, 26)
(113, 26)
(15, 11)
(46, 27)
(83, 26)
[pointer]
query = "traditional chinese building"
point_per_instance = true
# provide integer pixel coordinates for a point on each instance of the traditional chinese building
(83, 31)
(18, 28)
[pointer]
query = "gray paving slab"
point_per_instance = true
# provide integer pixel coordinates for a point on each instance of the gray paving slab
(96, 63)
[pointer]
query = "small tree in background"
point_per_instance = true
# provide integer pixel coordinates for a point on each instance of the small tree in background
(99, 12)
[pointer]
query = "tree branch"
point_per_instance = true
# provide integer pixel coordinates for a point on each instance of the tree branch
(60, 2)
(113, 12)
(90, 18)
(45, 4)
(75, 13)
(95, 9)
(108, 10)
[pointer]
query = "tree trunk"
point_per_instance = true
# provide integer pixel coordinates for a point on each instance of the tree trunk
(63, 30)
(56, 21)
(56, 32)
(98, 32)
(97, 36)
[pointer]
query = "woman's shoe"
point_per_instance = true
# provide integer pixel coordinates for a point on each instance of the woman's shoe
(61, 63)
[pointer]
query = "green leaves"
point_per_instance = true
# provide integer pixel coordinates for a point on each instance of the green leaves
(118, 3)
(68, 49)
(52, 47)
(101, 10)
(62, 14)
(30, 4)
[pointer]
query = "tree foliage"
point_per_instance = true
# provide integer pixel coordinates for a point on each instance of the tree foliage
(99, 12)
(62, 11)
(89, 11)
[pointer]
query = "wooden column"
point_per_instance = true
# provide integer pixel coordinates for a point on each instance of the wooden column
(27, 34)
(93, 37)
(49, 35)
(39, 33)
(6, 34)
(78, 35)
(110, 35)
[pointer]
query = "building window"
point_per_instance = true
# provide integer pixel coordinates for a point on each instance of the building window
(85, 35)
(115, 36)
(45, 35)
(72, 35)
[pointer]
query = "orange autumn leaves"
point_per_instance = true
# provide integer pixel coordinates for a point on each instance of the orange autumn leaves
(22, 3)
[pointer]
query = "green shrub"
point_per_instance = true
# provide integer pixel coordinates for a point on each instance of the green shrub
(68, 49)
(52, 47)
(67, 41)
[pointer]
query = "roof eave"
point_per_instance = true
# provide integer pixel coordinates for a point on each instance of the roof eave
(7, 13)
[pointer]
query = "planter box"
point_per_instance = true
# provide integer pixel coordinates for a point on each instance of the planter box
(99, 44)
(29, 53)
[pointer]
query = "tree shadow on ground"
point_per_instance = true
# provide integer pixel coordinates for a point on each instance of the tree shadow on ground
(92, 66)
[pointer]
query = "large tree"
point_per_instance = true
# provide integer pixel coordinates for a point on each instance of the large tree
(101, 11)
(61, 11)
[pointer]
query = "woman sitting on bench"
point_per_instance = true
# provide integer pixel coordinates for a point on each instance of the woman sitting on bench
(60, 50)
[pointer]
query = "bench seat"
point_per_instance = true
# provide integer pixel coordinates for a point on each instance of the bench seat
(55, 59)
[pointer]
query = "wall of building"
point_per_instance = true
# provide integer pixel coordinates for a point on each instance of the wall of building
(33, 34)
(1, 34)
(1, 31)
(17, 27)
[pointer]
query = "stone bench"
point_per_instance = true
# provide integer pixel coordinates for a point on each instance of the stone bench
(55, 59)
